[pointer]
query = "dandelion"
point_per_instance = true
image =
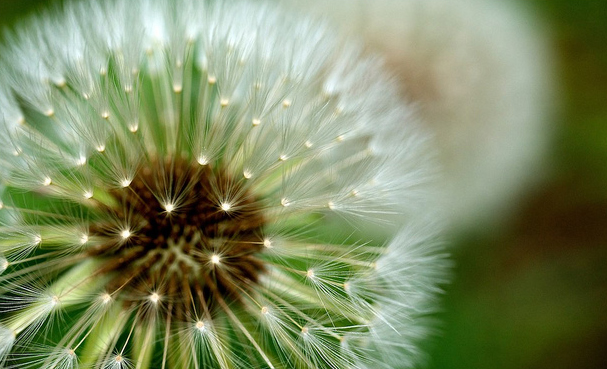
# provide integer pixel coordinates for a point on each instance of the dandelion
(481, 72)
(208, 185)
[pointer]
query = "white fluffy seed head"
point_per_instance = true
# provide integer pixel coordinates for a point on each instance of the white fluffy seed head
(251, 127)
(483, 72)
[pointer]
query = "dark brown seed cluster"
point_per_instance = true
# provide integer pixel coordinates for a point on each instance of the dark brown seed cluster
(183, 241)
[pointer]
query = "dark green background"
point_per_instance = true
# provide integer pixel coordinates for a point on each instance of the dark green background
(532, 291)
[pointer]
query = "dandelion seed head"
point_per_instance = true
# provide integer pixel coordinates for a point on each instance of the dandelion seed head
(222, 222)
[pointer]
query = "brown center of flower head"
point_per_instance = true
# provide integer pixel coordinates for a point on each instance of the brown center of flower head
(171, 237)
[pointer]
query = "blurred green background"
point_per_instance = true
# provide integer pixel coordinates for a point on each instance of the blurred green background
(531, 292)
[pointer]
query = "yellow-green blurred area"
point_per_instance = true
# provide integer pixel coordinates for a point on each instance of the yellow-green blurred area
(531, 292)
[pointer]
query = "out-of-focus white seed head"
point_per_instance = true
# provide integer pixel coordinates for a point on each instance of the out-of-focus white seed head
(483, 73)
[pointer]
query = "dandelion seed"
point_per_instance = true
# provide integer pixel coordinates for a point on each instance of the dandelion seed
(154, 298)
(125, 234)
(169, 207)
(212, 240)
(106, 298)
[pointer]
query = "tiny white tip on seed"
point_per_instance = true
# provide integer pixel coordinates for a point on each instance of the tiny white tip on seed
(226, 206)
(154, 298)
(101, 148)
(305, 330)
(308, 144)
(54, 300)
(105, 115)
(81, 160)
(125, 234)
(286, 103)
(134, 128)
(215, 259)
(354, 192)
(256, 121)
(37, 240)
(202, 160)
(49, 113)
(103, 71)
(310, 273)
(106, 298)
(347, 286)
(84, 239)
(331, 205)
(118, 359)
(87, 194)
(169, 207)
(1, 204)
(265, 310)
(283, 157)
(224, 102)
(86, 95)
(247, 175)
(200, 325)
(177, 88)
(340, 138)
(128, 89)
(284, 202)
(212, 80)
(21, 120)
(267, 243)
(125, 182)
(47, 181)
